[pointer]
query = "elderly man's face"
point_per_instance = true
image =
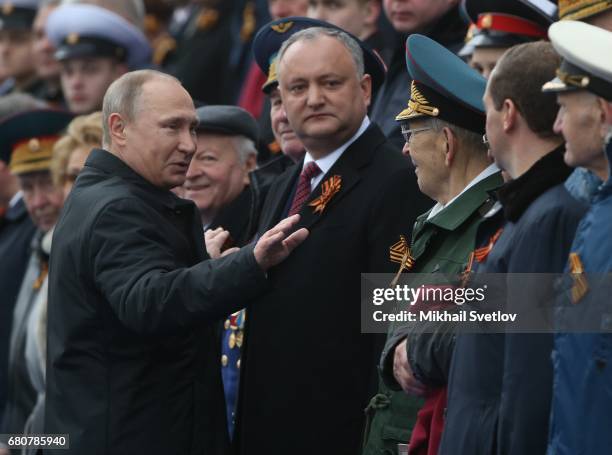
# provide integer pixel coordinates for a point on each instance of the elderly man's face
(16, 57)
(216, 175)
(425, 148)
(580, 121)
(289, 143)
(42, 198)
(322, 95)
(410, 16)
(85, 80)
(161, 140)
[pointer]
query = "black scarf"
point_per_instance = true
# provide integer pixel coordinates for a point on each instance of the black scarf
(516, 195)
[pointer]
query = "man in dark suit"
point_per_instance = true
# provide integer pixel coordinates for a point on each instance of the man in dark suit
(308, 370)
(133, 361)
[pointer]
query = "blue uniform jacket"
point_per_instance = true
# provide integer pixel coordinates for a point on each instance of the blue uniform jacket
(582, 394)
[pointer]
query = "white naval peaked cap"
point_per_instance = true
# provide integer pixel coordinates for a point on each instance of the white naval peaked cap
(83, 30)
(586, 53)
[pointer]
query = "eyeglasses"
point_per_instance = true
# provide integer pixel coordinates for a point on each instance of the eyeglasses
(408, 133)
(485, 140)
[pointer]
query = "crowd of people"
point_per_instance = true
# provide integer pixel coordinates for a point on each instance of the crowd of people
(191, 190)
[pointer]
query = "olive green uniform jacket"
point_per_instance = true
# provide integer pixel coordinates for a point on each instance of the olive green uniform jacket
(441, 244)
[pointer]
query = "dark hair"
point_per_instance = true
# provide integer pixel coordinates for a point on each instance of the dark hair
(519, 76)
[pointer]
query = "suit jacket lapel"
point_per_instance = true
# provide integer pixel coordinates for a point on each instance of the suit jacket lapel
(278, 195)
(348, 168)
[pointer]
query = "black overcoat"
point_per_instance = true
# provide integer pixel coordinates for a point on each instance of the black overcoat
(307, 370)
(133, 362)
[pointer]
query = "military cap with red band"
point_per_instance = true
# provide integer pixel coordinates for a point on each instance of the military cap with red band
(505, 23)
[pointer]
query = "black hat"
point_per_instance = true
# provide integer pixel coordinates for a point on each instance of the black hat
(230, 120)
(505, 23)
(17, 14)
(27, 138)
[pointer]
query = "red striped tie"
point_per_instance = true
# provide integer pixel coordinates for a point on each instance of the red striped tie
(303, 188)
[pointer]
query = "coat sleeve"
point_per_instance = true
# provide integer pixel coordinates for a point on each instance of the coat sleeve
(395, 212)
(136, 271)
(429, 350)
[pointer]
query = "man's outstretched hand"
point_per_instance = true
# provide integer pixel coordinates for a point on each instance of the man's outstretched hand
(275, 245)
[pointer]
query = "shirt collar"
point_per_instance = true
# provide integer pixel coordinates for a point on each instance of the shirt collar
(15, 199)
(486, 172)
(115, 166)
(326, 163)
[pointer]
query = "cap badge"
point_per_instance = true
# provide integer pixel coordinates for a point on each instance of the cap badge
(486, 21)
(72, 38)
(282, 28)
(329, 188)
(577, 80)
(34, 145)
(418, 102)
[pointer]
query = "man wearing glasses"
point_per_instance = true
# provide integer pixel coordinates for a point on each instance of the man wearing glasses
(443, 127)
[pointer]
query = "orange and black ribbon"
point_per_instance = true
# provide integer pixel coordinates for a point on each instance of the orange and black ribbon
(329, 188)
(479, 255)
(581, 286)
(400, 253)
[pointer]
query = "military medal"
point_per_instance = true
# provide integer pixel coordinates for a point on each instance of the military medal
(400, 253)
(329, 188)
(239, 338)
(581, 286)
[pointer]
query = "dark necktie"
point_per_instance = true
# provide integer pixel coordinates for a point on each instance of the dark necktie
(303, 188)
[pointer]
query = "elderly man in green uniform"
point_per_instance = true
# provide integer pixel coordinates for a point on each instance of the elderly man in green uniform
(443, 126)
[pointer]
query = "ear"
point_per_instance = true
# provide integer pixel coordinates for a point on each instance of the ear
(250, 165)
(251, 162)
(116, 128)
(452, 144)
(606, 111)
(366, 88)
(510, 115)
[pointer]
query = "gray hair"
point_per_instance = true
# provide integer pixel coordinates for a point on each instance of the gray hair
(470, 140)
(123, 96)
(244, 147)
(313, 33)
